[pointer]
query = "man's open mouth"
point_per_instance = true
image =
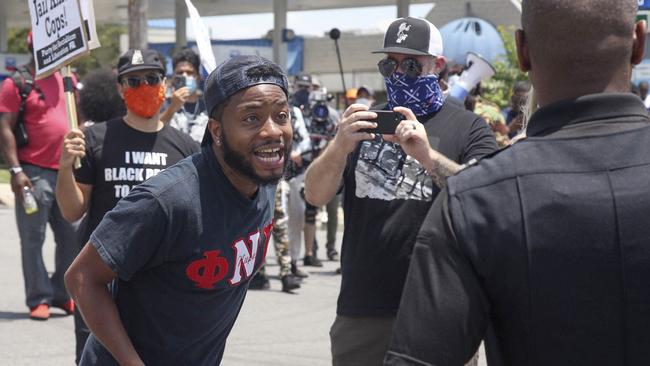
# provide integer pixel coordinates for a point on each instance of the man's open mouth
(271, 156)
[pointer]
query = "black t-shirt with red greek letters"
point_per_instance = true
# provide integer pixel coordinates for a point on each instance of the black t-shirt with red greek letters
(184, 245)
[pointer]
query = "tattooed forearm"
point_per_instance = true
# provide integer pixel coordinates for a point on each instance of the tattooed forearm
(441, 169)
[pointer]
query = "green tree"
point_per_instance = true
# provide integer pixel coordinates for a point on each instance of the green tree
(106, 55)
(17, 40)
(499, 87)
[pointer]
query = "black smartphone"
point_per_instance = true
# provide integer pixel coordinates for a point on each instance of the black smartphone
(179, 82)
(387, 122)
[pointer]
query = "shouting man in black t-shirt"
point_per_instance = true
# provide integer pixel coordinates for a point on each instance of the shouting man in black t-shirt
(389, 183)
(181, 247)
(119, 154)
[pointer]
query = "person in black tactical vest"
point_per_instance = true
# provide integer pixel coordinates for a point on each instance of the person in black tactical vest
(547, 240)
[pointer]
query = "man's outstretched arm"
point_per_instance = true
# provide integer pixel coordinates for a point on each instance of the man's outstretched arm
(86, 281)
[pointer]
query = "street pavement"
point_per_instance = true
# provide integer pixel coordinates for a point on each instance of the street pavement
(6, 195)
(273, 328)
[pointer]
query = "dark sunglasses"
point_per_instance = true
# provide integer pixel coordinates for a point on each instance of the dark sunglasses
(149, 79)
(412, 68)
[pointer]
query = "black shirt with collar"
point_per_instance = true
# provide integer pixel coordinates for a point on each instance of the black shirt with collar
(546, 240)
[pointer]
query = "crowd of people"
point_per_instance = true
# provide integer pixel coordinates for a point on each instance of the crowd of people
(465, 224)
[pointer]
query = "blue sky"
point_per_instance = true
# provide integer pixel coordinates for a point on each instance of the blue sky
(308, 23)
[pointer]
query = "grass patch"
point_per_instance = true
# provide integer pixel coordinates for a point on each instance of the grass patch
(4, 176)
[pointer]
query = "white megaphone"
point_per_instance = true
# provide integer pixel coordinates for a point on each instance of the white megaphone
(478, 69)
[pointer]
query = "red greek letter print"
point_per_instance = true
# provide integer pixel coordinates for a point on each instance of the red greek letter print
(267, 237)
(208, 271)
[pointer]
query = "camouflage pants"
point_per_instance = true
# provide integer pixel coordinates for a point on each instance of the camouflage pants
(280, 239)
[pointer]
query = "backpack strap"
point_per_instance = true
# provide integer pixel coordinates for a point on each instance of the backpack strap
(25, 83)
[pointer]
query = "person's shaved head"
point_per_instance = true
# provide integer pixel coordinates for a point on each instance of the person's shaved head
(580, 41)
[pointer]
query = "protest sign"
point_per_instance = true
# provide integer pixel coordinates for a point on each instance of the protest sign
(202, 36)
(58, 34)
(88, 16)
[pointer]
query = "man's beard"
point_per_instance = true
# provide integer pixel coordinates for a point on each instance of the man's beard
(239, 163)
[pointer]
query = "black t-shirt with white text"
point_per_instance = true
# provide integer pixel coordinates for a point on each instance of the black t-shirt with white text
(118, 157)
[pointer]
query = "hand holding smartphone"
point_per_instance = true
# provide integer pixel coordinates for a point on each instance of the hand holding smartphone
(387, 122)
(179, 82)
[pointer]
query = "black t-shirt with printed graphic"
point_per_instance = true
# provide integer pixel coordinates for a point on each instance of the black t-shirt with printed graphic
(119, 157)
(387, 197)
(184, 245)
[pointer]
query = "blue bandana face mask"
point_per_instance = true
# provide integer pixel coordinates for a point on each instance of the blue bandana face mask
(421, 94)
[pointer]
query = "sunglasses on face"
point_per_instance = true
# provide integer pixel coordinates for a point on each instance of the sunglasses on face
(411, 67)
(149, 79)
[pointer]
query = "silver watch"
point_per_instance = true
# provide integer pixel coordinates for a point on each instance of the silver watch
(15, 170)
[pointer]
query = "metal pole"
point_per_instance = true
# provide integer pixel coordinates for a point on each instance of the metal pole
(3, 28)
(279, 25)
(138, 23)
(181, 27)
(338, 55)
(403, 8)
(335, 34)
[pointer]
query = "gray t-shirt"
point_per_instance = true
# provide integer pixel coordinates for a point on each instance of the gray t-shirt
(184, 245)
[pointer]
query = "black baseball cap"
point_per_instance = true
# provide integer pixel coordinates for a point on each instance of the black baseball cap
(302, 79)
(136, 60)
(236, 74)
(412, 36)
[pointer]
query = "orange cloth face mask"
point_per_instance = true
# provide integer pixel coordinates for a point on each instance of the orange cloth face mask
(145, 100)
